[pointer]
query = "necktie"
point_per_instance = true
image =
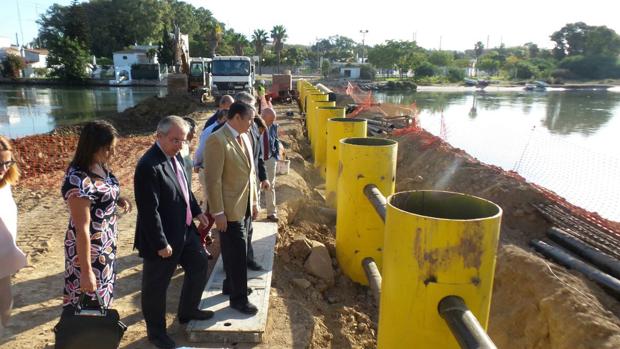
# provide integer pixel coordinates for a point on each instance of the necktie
(266, 150)
(182, 183)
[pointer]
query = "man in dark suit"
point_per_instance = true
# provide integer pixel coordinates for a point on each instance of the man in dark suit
(165, 233)
(230, 179)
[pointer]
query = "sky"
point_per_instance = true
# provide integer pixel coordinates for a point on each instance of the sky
(434, 24)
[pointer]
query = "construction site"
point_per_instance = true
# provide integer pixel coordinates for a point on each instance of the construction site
(514, 271)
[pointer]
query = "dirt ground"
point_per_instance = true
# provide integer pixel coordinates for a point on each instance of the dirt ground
(536, 304)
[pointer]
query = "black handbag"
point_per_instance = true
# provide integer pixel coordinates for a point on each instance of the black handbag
(91, 327)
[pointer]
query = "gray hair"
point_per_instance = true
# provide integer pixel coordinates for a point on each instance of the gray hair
(164, 125)
(246, 98)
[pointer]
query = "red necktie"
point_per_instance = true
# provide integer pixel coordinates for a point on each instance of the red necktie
(266, 150)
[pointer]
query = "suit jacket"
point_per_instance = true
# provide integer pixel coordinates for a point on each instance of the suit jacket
(161, 205)
(257, 152)
(229, 174)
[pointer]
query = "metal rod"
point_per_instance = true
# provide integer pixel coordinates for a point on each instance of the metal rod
(374, 277)
(599, 259)
(463, 324)
(377, 200)
(326, 90)
(571, 262)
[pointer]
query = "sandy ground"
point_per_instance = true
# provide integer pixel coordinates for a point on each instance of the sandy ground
(536, 304)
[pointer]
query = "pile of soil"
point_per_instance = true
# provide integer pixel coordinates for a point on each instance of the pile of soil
(145, 116)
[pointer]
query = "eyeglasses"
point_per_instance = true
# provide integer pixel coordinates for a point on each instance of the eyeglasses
(7, 164)
(176, 141)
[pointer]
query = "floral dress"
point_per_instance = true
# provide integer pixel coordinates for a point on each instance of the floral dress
(103, 194)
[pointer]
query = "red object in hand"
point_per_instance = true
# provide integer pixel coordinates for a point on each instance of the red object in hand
(205, 231)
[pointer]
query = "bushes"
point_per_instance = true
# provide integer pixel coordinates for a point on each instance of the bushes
(12, 65)
(367, 72)
(591, 67)
(425, 69)
(526, 70)
(455, 74)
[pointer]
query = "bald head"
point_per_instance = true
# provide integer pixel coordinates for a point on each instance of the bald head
(226, 101)
(269, 115)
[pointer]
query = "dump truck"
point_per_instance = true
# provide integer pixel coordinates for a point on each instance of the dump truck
(231, 74)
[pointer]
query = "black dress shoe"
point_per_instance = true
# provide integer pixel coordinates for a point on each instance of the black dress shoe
(247, 308)
(196, 315)
(226, 291)
(162, 341)
(252, 265)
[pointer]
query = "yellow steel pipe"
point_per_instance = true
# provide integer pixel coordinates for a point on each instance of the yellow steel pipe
(310, 111)
(313, 115)
(359, 229)
(337, 129)
(320, 133)
(437, 244)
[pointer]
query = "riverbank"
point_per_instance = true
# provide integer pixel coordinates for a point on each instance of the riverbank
(536, 304)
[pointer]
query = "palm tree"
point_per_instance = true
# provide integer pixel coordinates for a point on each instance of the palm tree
(259, 39)
(214, 36)
(239, 42)
(278, 34)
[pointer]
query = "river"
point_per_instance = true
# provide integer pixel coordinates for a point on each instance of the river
(566, 141)
(27, 110)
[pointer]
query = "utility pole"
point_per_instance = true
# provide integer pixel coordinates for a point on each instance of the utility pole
(363, 32)
(440, 38)
(19, 18)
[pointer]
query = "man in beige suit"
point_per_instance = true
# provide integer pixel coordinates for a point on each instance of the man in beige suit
(230, 179)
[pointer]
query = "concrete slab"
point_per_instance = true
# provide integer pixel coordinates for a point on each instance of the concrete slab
(229, 325)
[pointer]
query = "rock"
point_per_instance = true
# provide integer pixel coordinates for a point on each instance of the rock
(300, 248)
(418, 179)
(301, 283)
(319, 263)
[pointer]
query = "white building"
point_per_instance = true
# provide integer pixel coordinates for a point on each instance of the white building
(350, 72)
(35, 58)
(123, 60)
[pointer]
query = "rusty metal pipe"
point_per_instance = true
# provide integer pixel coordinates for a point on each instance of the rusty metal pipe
(463, 324)
(377, 199)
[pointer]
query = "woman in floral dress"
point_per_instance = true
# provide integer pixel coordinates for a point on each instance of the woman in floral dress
(92, 194)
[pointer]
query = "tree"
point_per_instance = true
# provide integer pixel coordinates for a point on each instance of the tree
(278, 34)
(259, 40)
(166, 48)
(478, 49)
(239, 42)
(325, 68)
(76, 24)
(425, 69)
(12, 65)
(570, 40)
(441, 58)
(68, 60)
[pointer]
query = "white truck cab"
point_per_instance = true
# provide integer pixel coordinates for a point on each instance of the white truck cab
(231, 74)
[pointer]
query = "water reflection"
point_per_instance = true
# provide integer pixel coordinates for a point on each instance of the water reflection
(28, 110)
(582, 112)
(569, 112)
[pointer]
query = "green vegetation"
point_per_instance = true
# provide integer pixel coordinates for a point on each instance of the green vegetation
(101, 27)
(11, 66)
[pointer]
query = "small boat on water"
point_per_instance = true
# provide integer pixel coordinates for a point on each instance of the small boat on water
(481, 84)
(536, 86)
